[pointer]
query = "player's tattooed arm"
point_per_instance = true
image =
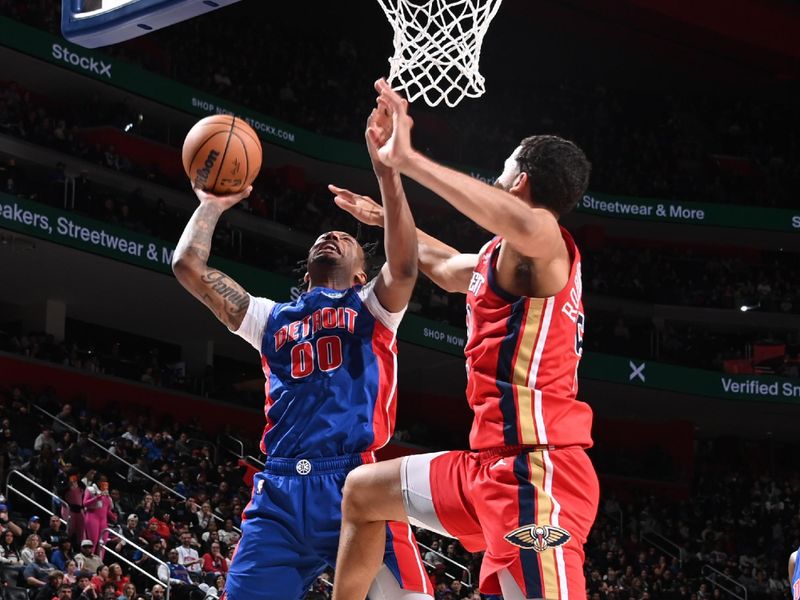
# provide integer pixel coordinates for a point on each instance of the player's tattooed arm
(221, 294)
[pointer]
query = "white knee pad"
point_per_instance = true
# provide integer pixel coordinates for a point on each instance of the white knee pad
(415, 476)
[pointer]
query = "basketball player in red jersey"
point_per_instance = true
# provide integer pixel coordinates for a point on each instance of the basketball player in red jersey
(527, 493)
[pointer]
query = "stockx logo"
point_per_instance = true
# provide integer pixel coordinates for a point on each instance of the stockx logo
(87, 63)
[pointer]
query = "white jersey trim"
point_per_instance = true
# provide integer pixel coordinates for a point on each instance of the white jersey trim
(537, 359)
(255, 321)
(389, 319)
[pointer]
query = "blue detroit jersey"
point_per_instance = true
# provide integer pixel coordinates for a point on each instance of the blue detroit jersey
(795, 582)
(330, 362)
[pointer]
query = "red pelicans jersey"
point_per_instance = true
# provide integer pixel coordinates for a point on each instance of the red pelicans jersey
(522, 360)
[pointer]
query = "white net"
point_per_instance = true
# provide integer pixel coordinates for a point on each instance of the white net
(437, 47)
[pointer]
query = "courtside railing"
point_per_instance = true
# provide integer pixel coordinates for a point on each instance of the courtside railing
(464, 568)
(112, 550)
(724, 582)
(123, 461)
(20, 475)
(107, 451)
(228, 438)
(666, 545)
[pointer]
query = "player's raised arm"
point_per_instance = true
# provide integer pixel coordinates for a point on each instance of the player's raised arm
(221, 294)
(448, 268)
(395, 282)
(532, 232)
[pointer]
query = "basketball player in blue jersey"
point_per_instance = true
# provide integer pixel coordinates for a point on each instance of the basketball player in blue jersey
(794, 575)
(330, 362)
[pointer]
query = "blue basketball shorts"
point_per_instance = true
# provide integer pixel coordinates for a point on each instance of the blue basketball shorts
(290, 532)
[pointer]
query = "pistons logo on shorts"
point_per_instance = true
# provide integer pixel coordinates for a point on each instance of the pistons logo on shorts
(538, 537)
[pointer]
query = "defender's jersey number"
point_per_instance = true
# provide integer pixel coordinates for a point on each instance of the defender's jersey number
(328, 356)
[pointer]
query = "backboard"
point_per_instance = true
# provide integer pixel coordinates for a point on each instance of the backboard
(96, 23)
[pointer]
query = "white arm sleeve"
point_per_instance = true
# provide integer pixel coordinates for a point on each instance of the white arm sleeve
(255, 321)
(370, 300)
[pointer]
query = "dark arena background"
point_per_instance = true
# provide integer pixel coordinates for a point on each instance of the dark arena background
(690, 234)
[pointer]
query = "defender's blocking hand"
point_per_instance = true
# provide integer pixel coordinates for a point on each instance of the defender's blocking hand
(396, 151)
(363, 208)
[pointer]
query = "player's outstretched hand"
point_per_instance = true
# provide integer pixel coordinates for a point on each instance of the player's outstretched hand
(224, 202)
(363, 208)
(378, 132)
(396, 151)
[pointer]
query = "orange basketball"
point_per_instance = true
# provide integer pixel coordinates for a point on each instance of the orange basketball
(221, 154)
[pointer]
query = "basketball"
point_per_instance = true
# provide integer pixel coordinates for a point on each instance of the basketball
(221, 154)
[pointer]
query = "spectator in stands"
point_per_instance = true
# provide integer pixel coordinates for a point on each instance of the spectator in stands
(62, 554)
(45, 439)
(73, 505)
(34, 527)
(188, 556)
(148, 564)
(28, 552)
(219, 585)
(145, 510)
(44, 468)
(97, 503)
(54, 534)
(176, 575)
(431, 556)
(9, 552)
(185, 511)
(64, 420)
(157, 593)
(100, 578)
(84, 590)
(204, 516)
(214, 563)
(116, 577)
(150, 533)
(162, 525)
(117, 505)
(211, 535)
(128, 592)
(7, 524)
(87, 559)
(65, 591)
(228, 535)
(36, 572)
(50, 589)
(71, 573)
(132, 530)
(109, 591)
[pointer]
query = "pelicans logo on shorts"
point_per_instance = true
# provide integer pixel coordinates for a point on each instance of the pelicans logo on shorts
(538, 537)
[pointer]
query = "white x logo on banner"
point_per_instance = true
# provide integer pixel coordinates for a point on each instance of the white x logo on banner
(637, 371)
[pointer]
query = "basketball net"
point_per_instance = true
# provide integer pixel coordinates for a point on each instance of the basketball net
(437, 47)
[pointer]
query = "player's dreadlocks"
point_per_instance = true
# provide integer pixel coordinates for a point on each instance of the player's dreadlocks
(370, 250)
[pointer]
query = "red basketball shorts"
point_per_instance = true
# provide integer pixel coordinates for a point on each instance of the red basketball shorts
(531, 511)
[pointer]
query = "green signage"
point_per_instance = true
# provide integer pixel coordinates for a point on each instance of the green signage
(168, 92)
(83, 233)
(111, 241)
(96, 65)
(694, 213)
(651, 374)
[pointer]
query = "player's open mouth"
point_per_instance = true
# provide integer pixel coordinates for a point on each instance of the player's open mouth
(328, 247)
